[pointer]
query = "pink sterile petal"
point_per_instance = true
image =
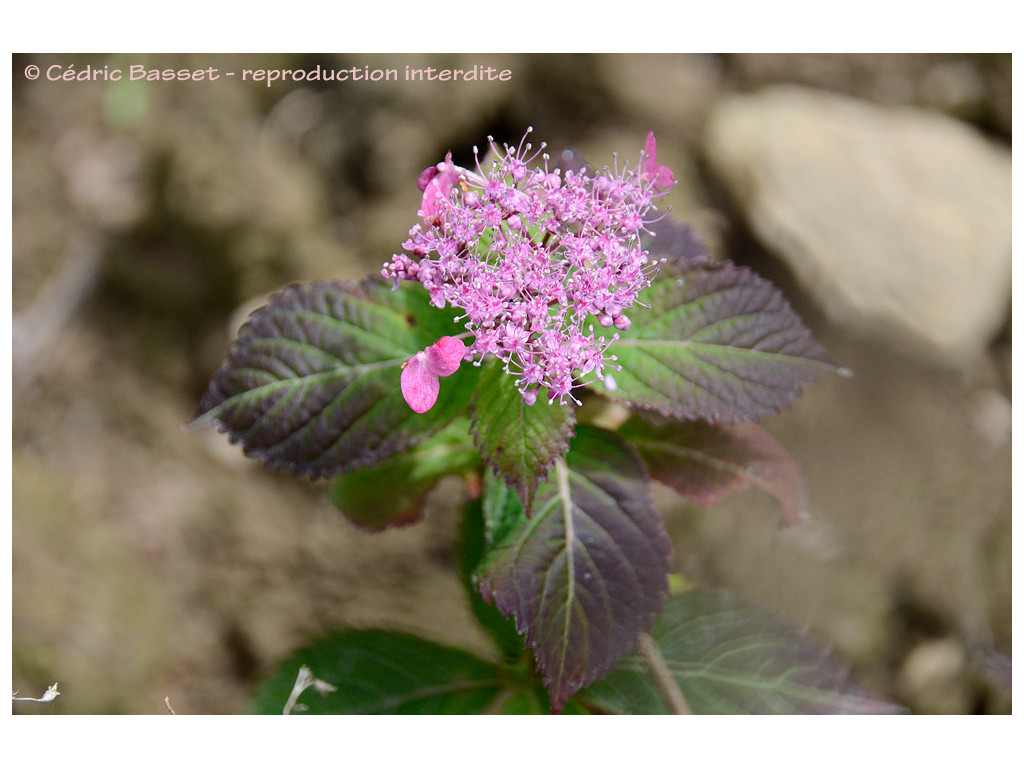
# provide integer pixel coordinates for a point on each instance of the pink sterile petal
(425, 177)
(445, 356)
(420, 387)
(651, 152)
(438, 187)
(661, 175)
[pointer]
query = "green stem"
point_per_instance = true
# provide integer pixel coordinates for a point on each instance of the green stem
(667, 684)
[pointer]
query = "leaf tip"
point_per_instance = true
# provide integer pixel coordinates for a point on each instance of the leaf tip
(202, 419)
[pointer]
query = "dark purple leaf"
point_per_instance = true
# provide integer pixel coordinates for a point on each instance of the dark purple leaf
(678, 244)
(311, 385)
(705, 462)
(717, 343)
(587, 573)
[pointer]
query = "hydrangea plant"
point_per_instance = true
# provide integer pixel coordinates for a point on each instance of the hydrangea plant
(533, 296)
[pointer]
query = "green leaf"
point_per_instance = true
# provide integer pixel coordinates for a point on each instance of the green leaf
(521, 442)
(717, 343)
(311, 385)
(392, 492)
(384, 673)
(587, 572)
(729, 658)
(474, 543)
(535, 702)
(526, 703)
(705, 462)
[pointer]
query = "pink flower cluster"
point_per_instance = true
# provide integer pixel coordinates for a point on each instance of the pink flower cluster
(534, 257)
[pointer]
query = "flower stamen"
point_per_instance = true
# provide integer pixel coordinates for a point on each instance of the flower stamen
(528, 256)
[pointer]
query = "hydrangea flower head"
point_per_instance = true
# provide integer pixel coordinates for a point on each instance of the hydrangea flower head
(534, 257)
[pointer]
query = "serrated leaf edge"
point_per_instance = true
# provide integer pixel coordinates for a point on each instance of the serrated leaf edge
(522, 485)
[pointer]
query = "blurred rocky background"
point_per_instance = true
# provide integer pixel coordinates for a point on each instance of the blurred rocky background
(150, 217)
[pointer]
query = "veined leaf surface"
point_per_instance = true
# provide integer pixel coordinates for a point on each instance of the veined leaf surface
(718, 343)
(311, 385)
(730, 658)
(587, 572)
(707, 462)
(521, 442)
(377, 673)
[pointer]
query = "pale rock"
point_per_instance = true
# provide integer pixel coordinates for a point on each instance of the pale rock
(934, 678)
(892, 218)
